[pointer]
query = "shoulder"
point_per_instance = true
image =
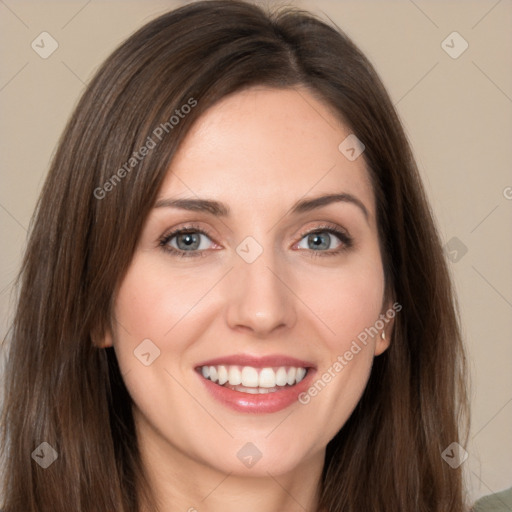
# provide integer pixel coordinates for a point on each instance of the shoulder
(499, 502)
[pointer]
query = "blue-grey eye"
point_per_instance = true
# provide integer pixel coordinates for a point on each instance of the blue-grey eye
(189, 241)
(319, 241)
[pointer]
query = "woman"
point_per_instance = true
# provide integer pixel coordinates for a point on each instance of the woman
(234, 294)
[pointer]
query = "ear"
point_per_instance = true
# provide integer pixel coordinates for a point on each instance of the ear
(102, 339)
(387, 318)
(382, 343)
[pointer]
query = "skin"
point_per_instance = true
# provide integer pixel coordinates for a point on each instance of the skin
(258, 152)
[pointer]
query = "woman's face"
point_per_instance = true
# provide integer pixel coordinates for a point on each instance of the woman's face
(258, 289)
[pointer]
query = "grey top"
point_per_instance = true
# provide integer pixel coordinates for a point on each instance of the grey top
(499, 502)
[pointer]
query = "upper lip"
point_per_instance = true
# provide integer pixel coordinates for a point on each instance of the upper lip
(258, 361)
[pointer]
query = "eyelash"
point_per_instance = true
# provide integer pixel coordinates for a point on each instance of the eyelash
(191, 228)
(345, 239)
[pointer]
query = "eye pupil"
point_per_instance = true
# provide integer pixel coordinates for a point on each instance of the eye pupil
(319, 240)
(191, 241)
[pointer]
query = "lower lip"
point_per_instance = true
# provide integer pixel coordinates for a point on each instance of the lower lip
(260, 403)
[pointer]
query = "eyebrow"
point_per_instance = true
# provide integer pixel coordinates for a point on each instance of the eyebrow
(221, 210)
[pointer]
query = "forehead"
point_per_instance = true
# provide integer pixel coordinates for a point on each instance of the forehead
(268, 147)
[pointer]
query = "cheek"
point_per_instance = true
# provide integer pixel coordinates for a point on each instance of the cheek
(163, 306)
(347, 300)
(152, 299)
(154, 303)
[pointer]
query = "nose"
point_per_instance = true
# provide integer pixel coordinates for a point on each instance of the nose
(260, 300)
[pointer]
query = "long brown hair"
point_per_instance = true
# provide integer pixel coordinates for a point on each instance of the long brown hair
(61, 388)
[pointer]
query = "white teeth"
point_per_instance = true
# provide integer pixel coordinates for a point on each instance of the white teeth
(252, 391)
(235, 376)
(222, 375)
(267, 378)
(249, 377)
(281, 377)
(261, 380)
(301, 373)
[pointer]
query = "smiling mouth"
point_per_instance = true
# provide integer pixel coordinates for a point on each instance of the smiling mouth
(252, 380)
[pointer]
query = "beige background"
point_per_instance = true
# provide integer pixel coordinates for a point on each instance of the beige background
(457, 113)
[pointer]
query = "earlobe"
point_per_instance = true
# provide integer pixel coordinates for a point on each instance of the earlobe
(383, 341)
(103, 341)
(106, 342)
